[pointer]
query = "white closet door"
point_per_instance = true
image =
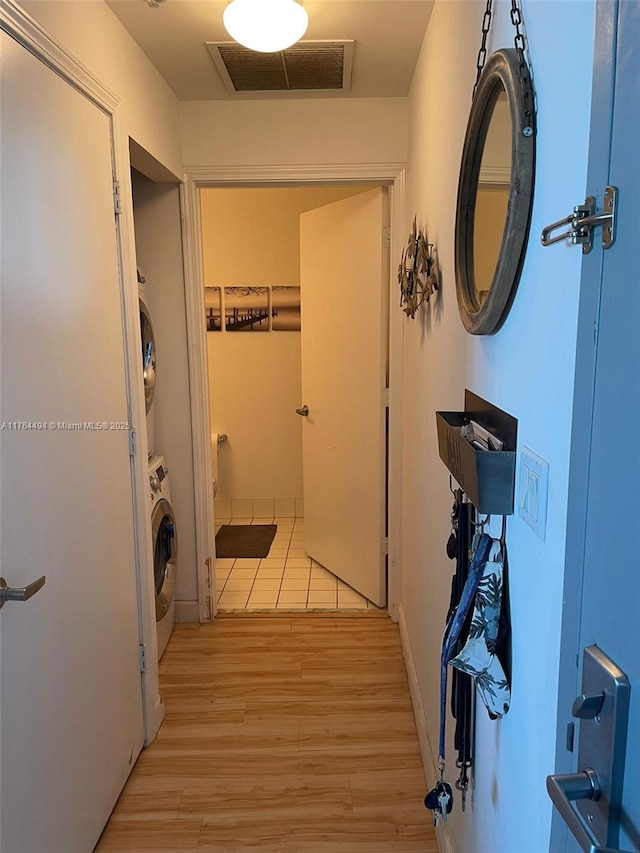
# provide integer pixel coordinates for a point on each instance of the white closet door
(70, 698)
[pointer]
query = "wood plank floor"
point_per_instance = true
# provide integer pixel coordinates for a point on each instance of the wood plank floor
(283, 734)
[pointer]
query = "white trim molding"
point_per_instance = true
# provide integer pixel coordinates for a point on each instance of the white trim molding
(187, 611)
(396, 336)
(335, 174)
(429, 765)
(154, 710)
(197, 177)
(199, 395)
(32, 36)
(426, 751)
(496, 176)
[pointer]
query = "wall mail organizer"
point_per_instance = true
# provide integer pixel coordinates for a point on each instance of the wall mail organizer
(487, 476)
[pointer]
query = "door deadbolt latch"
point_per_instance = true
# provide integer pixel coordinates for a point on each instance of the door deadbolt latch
(583, 220)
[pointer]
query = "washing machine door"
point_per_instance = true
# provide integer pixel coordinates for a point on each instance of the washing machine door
(165, 555)
(148, 355)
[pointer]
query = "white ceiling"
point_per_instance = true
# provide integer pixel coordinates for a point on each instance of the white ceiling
(388, 35)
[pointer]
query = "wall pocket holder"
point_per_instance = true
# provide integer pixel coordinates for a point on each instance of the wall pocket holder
(487, 477)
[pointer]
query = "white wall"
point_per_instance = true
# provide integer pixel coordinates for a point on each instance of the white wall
(527, 369)
(148, 109)
(251, 237)
(294, 132)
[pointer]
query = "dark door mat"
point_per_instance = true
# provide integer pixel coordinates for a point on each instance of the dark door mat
(245, 540)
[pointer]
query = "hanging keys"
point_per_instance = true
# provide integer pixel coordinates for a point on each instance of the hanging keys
(444, 799)
(440, 801)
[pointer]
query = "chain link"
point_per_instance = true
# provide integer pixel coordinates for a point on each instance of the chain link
(482, 53)
(521, 47)
(525, 76)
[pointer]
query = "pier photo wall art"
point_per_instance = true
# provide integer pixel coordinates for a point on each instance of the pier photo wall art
(253, 309)
(213, 308)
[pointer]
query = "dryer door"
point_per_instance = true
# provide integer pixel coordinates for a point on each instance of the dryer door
(165, 555)
(148, 355)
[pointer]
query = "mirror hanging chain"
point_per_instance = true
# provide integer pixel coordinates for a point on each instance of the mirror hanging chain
(526, 74)
(482, 53)
(522, 50)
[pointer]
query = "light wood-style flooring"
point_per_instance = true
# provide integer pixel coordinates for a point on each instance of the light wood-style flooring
(283, 734)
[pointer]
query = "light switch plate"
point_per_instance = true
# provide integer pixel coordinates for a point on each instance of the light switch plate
(533, 491)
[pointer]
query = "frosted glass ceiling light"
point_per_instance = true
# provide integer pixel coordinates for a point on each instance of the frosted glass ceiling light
(265, 25)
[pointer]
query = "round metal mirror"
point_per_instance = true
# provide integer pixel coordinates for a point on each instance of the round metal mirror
(495, 193)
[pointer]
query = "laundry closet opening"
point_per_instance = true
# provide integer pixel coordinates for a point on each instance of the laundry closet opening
(296, 302)
(167, 431)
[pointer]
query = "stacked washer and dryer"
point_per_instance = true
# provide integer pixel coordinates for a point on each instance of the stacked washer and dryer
(164, 535)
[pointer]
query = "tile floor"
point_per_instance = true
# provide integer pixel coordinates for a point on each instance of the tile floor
(287, 579)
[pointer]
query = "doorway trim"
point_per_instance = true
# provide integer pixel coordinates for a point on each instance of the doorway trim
(200, 177)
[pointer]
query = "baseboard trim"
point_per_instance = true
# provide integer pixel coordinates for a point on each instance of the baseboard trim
(292, 507)
(444, 839)
(154, 721)
(426, 750)
(187, 611)
(428, 760)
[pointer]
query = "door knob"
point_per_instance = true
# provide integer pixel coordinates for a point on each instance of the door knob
(8, 593)
(304, 411)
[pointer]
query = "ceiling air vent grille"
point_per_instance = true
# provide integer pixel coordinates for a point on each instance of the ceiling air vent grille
(307, 66)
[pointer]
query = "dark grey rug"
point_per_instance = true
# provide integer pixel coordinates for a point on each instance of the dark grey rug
(245, 540)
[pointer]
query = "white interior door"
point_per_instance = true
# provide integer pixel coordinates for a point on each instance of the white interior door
(607, 456)
(70, 698)
(344, 359)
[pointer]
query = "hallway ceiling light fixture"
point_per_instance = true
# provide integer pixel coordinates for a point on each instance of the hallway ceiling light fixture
(265, 25)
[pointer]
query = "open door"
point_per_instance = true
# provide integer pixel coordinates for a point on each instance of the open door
(599, 803)
(344, 275)
(70, 697)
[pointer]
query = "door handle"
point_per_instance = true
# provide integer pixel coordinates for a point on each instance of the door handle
(564, 788)
(304, 411)
(590, 802)
(8, 593)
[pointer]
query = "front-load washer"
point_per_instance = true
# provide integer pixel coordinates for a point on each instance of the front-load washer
(148, 369)
(164, 536)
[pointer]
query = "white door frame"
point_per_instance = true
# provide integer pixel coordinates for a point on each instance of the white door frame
(197, 178)
(27, 32)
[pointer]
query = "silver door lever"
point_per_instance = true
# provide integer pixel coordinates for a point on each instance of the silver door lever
(304, 411)
(567, 787)
(8, 593)
(590, 801)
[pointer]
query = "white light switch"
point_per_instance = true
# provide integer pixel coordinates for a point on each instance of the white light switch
(533, 491)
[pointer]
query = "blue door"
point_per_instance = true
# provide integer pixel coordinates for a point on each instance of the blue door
(602, 593)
